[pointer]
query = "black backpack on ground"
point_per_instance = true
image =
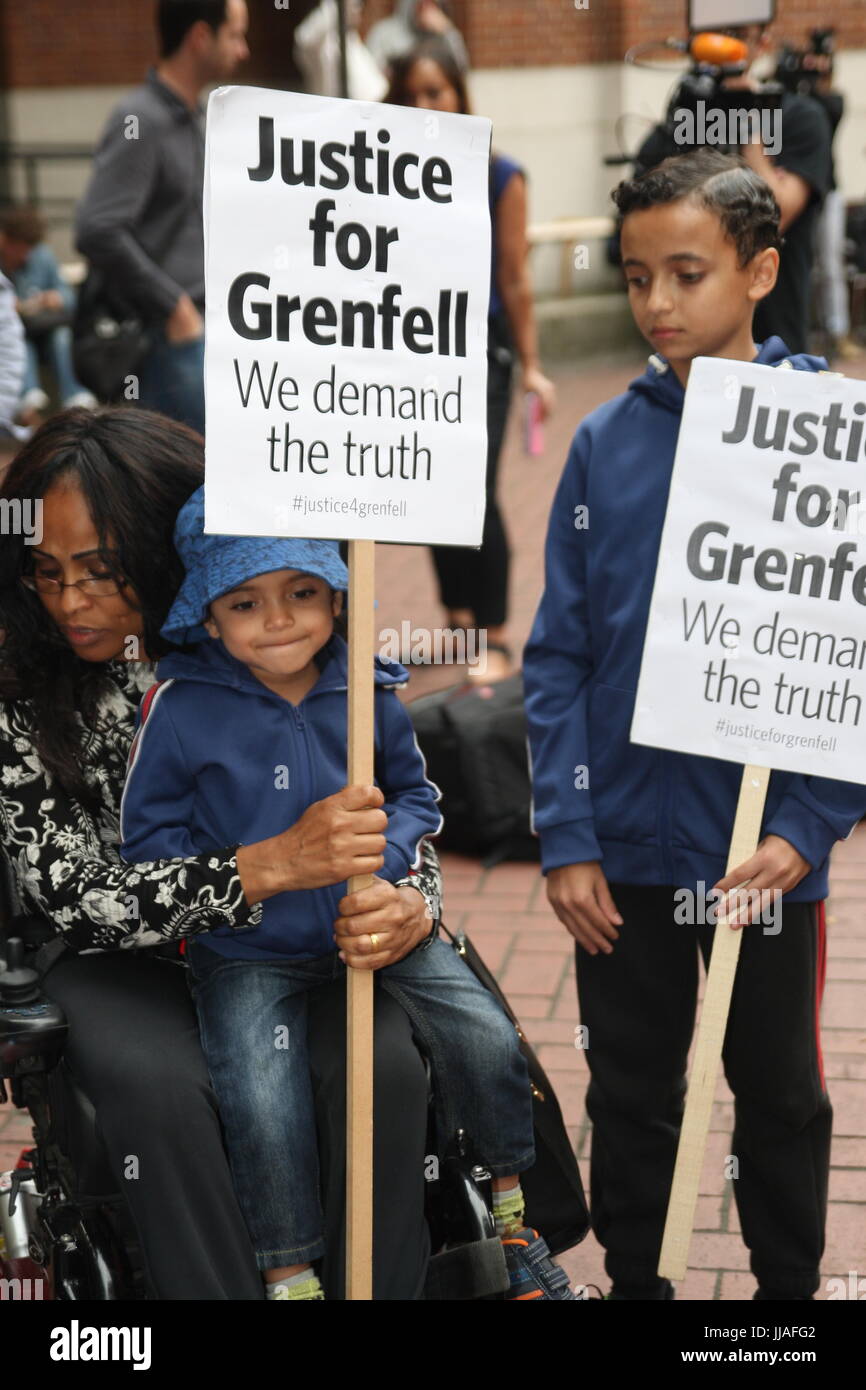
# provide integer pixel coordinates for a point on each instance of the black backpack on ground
(473, 737)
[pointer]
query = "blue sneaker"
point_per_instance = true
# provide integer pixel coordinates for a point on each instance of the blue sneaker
(531, 1269)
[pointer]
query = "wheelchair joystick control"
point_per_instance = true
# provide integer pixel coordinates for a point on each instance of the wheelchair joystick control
(18, 983)
(32, 1028)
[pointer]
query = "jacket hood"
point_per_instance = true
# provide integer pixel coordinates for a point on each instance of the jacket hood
(662, 385)
(212, 664)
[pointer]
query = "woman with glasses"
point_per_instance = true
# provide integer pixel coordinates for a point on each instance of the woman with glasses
(82, 599)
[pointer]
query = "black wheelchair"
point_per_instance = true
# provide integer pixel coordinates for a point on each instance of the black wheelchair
(66, 1232)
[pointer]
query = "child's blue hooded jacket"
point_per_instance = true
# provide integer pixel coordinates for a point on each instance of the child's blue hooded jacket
(220, 760)
(651, 816)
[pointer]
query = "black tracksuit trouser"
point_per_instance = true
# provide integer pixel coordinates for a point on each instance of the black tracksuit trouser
(638, 1004)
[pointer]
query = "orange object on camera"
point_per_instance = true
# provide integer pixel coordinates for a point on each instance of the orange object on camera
(719, 49)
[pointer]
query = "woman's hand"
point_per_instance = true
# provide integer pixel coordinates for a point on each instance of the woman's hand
(433, 20)
(775, 867)
(535, 380)
(380, 925)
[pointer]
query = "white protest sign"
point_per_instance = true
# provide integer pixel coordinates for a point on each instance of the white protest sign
(756, 644)
(347, 251)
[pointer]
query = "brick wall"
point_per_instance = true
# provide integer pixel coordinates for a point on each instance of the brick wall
(62, 43)
(70, 43)
(80, 43)
(794, 19)
(517, 33)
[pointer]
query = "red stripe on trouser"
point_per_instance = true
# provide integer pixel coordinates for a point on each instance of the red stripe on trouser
(821, 975)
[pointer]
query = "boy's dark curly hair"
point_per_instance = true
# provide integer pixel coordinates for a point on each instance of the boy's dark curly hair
(722, 183)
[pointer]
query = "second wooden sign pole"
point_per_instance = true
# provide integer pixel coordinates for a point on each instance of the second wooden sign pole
(711, 1036)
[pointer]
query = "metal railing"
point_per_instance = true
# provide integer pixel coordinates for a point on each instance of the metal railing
(30, 158)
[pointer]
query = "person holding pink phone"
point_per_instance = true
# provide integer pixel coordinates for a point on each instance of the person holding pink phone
(473, 584)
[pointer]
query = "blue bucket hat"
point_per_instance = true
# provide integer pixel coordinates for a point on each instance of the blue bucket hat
(215, 564)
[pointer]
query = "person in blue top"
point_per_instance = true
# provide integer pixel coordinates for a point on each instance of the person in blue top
(473, 584)
(241, 734)
(625, 828)
(45, 303)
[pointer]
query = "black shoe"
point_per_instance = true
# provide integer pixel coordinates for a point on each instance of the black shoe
(660, 1292)
(764, 1296)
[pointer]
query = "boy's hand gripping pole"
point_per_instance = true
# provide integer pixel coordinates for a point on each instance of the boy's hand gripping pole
(711, 1036)
(359, 983)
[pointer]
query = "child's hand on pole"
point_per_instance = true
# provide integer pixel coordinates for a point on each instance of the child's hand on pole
(580, 897)
(775, 867)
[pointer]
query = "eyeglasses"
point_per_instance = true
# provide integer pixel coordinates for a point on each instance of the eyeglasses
(97, 586)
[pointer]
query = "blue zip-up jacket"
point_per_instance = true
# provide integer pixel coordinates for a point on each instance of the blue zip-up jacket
(221, 760)
(651, 816)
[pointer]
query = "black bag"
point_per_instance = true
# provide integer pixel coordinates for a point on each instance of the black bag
(473, 737)
(552, 1187)
(44, 321)
(109, 338)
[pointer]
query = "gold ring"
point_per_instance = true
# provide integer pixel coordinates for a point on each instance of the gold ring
(374, 941)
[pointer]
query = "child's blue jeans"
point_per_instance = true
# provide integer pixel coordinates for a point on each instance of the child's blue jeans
(252, 1017)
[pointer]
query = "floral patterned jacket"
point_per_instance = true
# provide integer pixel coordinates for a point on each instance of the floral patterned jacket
(65, 862)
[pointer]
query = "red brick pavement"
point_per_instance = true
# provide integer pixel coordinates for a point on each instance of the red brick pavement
(532, 957)
(506, 912)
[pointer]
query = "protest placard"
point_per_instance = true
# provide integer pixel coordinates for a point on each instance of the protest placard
(348, 278)
(347, 263)
(756, 644)
(755, 648)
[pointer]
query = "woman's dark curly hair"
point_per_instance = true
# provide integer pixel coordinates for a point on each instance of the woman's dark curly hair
(722, 183)
(136, 469)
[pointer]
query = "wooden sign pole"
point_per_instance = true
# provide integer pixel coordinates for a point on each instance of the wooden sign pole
(711, 1036)
(359, 983)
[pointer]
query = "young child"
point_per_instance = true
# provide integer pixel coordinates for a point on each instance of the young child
(239, 738)
(700, 250)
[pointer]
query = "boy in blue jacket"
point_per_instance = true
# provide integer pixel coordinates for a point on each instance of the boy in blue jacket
(623, 827)
(241, 735)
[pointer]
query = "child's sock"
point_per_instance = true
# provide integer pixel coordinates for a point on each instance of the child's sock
(508, 1207)
(303, 1285)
